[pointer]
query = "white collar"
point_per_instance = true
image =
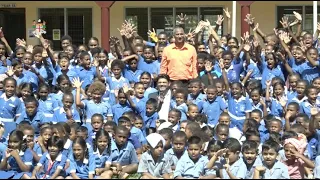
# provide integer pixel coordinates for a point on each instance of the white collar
(21, 153)
(85, 161)
(240, 99)
(4, 96)
(58, 158)
(67, 144)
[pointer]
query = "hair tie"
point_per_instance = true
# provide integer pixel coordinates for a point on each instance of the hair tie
(24, 137)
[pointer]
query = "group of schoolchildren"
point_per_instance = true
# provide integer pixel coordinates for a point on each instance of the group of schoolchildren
(86, 113)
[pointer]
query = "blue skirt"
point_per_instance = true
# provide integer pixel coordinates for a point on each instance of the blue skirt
(12, 174)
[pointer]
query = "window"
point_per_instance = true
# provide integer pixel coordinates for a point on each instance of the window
(212, 15)
(307, 16)
(139, 17)
(76, 22)
(163, 19)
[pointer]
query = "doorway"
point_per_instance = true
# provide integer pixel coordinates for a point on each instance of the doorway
(13, 23)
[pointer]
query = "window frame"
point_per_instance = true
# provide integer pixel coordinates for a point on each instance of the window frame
(174, 13)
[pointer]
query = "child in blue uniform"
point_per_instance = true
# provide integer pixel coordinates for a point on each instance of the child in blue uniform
(102, 152)
(124, 156)
(95, 105)
(82, 162)
(52, 163)
(46, 103)
(66, 113)
(10, 105)
(17, 159)
(86, 73)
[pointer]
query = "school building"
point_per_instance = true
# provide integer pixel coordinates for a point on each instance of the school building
(84, 19)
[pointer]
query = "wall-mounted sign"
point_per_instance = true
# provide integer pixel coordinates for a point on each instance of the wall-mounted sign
(12, 5)
(56, 34)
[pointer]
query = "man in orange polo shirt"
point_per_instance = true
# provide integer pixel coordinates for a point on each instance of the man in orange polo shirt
(179, 60)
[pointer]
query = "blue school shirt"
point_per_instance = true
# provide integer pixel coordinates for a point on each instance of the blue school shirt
(212, 72)
(104, 71)
(233, 72)
(10, 107)
(148, 91)
(158, 168)
(256, 74)
(149, 121)
(312, 147)
(183, 108)
(188, 169)
(278, 171)
(132, 77)
(238, 169)
(58, 163)
(150, 67)
(173, 157)
(86, 76)
(276, 108)
(29, 77)
(47, 72)
(67, 148)
(305, 107)
(71, 74)
(294, 65)
(237, 109)
(134, 141)
(102, 108)
(140, 105)
(118, 110)
(268, 74)
(250, 172)
(126, 155)
(139, 134)
(308, 72)
(47, 107)
(113, 84)
(295, 99)
(26, 158)
(36, 121)
(102, 159)
(82, 168)
(3, 149)
(213, 110)
(60, 115)
(199, 100)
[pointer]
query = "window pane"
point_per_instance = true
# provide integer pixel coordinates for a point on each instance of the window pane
(211, 13)
(55, 20)
(79, 25)
(162, 20)
(192, 15)
(308, 26)
(288, 12)
(139, 17)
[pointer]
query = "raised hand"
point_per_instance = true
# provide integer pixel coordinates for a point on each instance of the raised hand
(21, 42)
(29, 48)
(268, 83)
(125, 88)
(221, 64)
(227, 13)
(153, 35)
(219, 20)
(10, 71)
(199, 27)
(249, 19)
(283, 101)
(191, 34)
(314, 111)
(297, 15)
(182, 19)
(255, 27)
(76, 82)
(284, 22)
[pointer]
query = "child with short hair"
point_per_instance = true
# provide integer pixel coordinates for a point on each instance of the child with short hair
(160, 167)
(202, 120)
(222, 132)
(192, 164)
(235, 167)
(150, 115)
(195, 96)
(271, 167)
(250, 157)
(174, 118)
(179, 102)
(66, 113)
(193, 110)
(213, 106)
(32, 115)
(179, 142)
(121, 161)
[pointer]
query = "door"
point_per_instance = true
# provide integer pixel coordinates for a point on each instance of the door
(13, 23)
